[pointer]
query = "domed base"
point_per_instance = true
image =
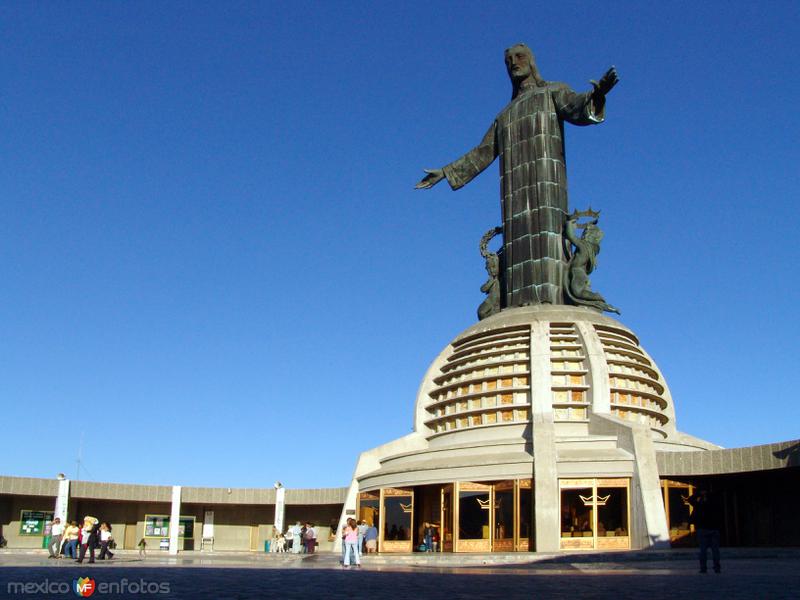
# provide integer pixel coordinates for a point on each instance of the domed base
(556, 395)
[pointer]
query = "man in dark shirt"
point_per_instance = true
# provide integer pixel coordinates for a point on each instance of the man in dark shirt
(707, 522)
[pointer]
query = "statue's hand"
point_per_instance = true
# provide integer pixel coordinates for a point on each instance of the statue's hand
(607, 81)
(433, 177)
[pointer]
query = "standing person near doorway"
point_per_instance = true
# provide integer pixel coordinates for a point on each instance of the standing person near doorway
(427, 536)
(289, 538)
(297, 538)
(706, 518)
(372, 539)
(311, 538)
(351, 541)
(303, 539)
(56, 533)
(344, 542)
(362, 531)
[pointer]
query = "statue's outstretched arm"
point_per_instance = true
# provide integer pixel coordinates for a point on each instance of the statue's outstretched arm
(571, 230)
(602, 87)
(463, 170)
(433, 177)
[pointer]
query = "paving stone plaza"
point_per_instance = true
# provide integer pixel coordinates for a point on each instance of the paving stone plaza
(747, 573)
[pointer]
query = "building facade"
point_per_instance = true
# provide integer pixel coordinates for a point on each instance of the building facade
(228, 519)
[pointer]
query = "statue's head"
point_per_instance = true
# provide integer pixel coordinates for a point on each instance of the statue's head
(521, 66)
(592, 233)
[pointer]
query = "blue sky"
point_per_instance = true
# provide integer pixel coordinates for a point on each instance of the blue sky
(208, 222)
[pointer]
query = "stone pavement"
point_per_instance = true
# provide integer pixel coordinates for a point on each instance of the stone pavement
(747, 573)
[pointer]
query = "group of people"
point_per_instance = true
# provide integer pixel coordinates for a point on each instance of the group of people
(298, 539)
(73, 541)
(358, 537)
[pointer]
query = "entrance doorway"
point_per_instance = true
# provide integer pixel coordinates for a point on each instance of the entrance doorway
(595, 513)
(397, 512)
(369, 508)
(676, 505)
(493, 516)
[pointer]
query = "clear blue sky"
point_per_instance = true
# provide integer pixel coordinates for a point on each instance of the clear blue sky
(208, 219)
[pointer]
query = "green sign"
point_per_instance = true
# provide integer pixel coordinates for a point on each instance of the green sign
(34, 522)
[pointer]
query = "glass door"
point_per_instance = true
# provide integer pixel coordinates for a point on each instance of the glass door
(676, 505)
(446, 520)
(595, 513)
(397, 511)
(577, 513)
(369, 508)
(613, 522)
(525, 516)
(473, 516)
(503, 530)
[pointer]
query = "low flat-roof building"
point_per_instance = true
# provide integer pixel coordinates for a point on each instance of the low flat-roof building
(229, 518)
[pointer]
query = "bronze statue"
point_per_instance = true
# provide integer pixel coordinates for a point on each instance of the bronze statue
(527, 135)
(583, 260)
(491, 288)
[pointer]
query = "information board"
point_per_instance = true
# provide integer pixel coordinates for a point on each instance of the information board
(158, 526)
(34, 522)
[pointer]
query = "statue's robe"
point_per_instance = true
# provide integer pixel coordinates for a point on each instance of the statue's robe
(528, 136)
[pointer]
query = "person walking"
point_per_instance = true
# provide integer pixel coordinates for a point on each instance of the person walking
(351, 542)
(56, 532)
(105, 540)
(71, 536)
(142, 548)
(706, 519)
(89, 538)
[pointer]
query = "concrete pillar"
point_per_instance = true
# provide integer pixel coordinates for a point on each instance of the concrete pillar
(280, 506)
(545, 471)
(62, 499)
(599, 387)
(649, 518)
(175, 519)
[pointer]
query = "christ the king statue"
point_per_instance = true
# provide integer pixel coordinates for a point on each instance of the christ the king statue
(528, 136)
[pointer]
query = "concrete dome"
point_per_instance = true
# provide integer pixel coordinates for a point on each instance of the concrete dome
(569, 376)
(570, 361)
